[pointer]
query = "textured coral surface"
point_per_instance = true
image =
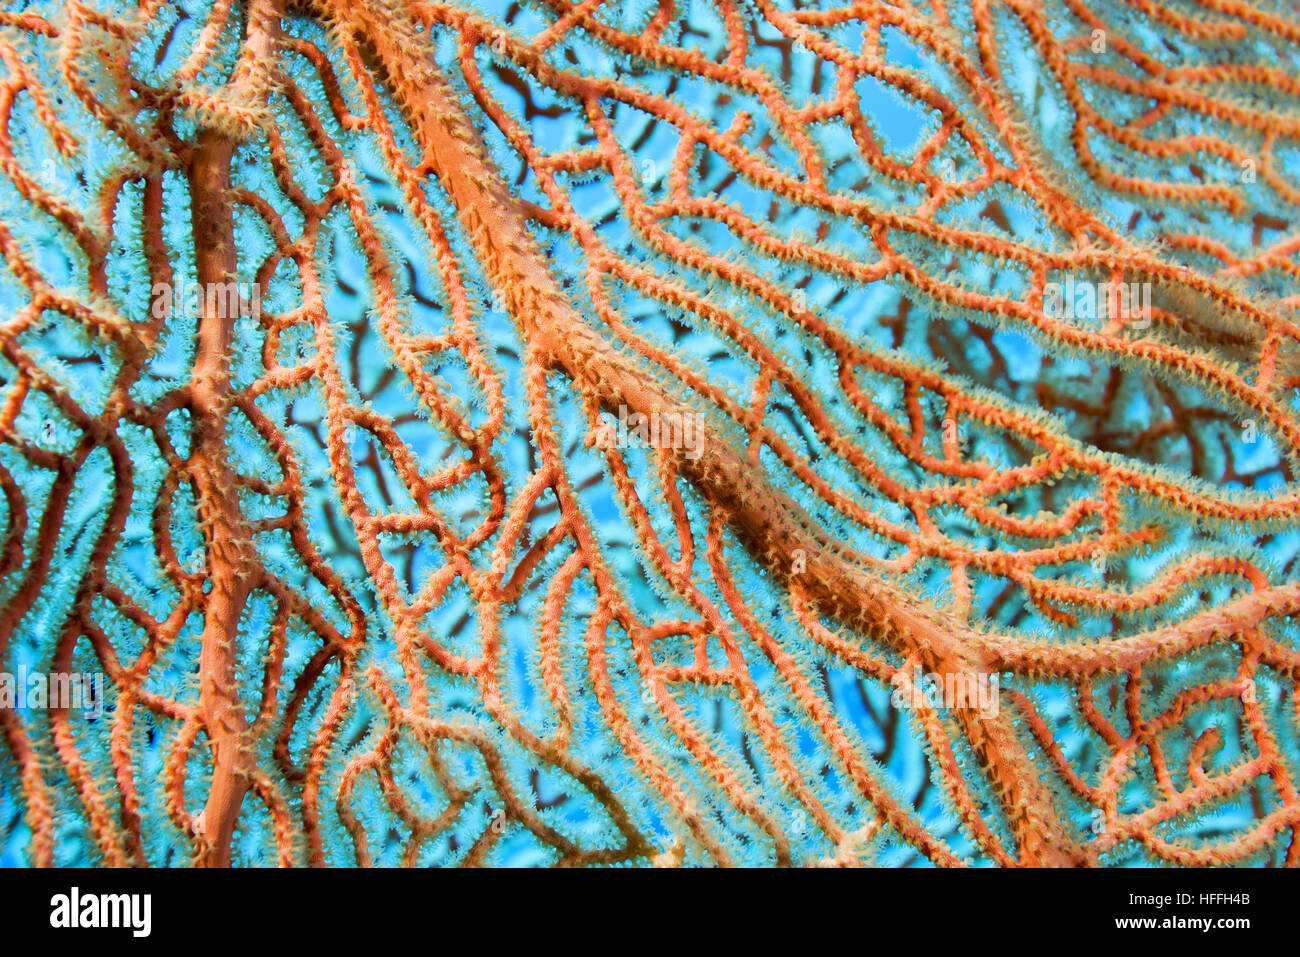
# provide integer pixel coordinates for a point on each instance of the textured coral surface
(322, 324)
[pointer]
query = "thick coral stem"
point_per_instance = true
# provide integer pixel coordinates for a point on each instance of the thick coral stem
(770, 521)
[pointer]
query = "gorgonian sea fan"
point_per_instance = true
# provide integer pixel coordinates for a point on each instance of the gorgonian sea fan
(370, 582)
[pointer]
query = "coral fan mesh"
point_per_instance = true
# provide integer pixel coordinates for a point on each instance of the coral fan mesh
(326, 330)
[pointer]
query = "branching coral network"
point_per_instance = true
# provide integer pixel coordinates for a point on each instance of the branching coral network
(967, 331)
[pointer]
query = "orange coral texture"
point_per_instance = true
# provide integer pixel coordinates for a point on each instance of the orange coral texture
(850, 604)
